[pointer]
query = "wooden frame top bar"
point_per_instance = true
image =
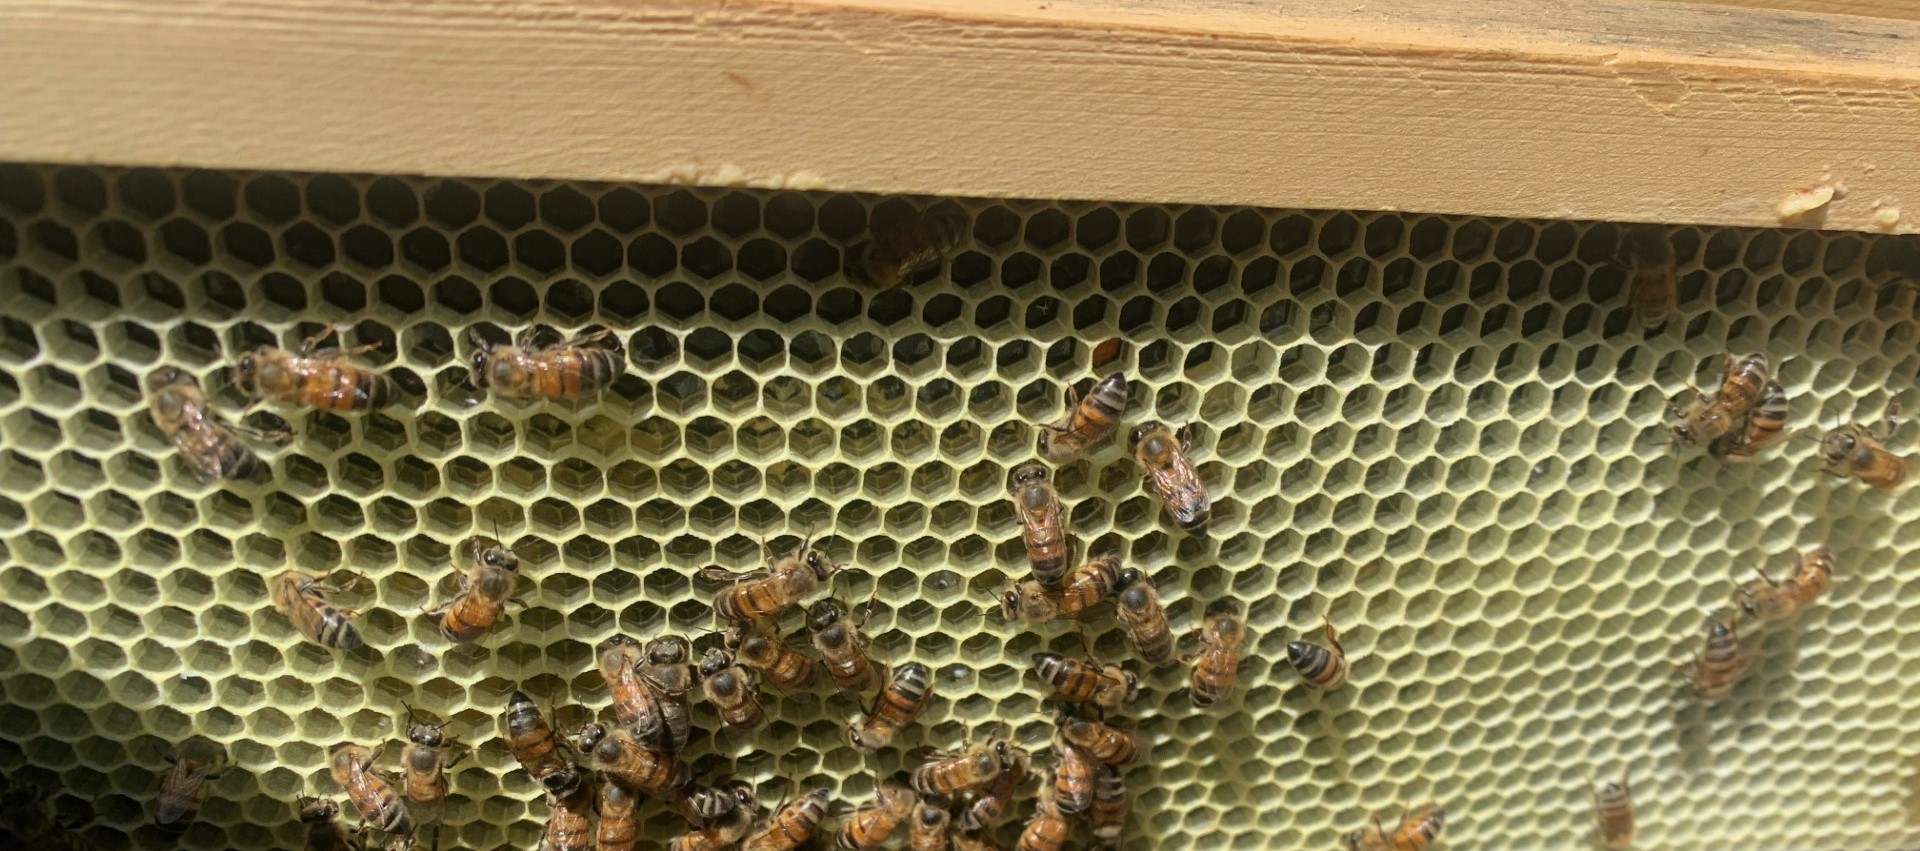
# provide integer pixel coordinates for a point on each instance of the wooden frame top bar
(1628, 110)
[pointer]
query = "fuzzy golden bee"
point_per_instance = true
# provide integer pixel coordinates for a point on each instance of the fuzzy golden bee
(1138, 608)
(569, 817)
(842, 648)
(927, 828)
(196, 761)
(1719, 668)
(1218, 664)
(948, 775)
(1654, 291)
(1048, 827)
(1766, 426)
(898, 249)
(312, 377)
(619, 826)
(380, 806)
(1108, 744)
(871, 827)
(634, 706)
(1853, 450)
(990, 805)
(723, 833)
(1105, 686)
(1162, 456)
(1766, 601)
(1321, 668)
(1090, 420)
(429, 754)
(1706, 418)
(1613, 807)
(532, 742)
(794, 826)
(1111, 805)
(893, 709)
(765, 593)
(782, 666)
(617, 755)
(206, 442)
(667, 671)
(301, 599)
(1086, 588)
(1415, 832)
(579, 365)
(485, 589)
(1043, 526)
(964, 841)
(325, 830)
(1074, 773)
(729, 687)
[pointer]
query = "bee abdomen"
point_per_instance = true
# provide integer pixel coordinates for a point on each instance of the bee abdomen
(1319, 667)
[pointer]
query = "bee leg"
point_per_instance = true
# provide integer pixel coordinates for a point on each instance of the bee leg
(588, 338)
(523, 339)
(311, 345)
(274, 436)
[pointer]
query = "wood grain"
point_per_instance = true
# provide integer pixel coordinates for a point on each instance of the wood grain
(1900, 9)
(1616, 110)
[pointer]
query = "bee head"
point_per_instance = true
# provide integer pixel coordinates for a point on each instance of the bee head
(169, 376)
(590, 736)
(429, 735)
(498, 557)
(562, 782)
(668, 650)
(1010, 604)
(714, 662)
(1031, 472)
(477, 360)
(318, 810)
(825, 613)
(817, 561)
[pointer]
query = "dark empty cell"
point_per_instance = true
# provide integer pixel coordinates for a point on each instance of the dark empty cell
(763, 259)
(1384, 236)
(509, 205)
(890, 306)
(457, 294)
(344, 292)
(247, 244)
(514, 297)
(220, 288)
(1090, 312)
(1307, 275)
(1800, 252)
(1070, 270)
(1047, 228)
(391, 201)
(1182, 314)
(1097, 228)
(761, 345)
(736, 214)
(1471, 238)
(272, 197)
(624, 210)
(940, 310)
(539, 251)
(1120, 270)
(284, 290)
(623, 302)
(10, 242)
(679, 301)
(368, 246)
(1399, 277)
(118, 239)
(1484, 282)
(1212, 273)
(1148, 228)
(597, 252)
(57, 240)
(1291, 234)
(652, 255)
(185, 240)
(735, 302)
(1043, 312)
(307, 245)
(1166, 271)
(1557, 242)
(789, 214)
(706, 257)
(425, 248)
(971, 267)
(1136, 314)
(992, 311)
(333, 198)
(680, 211)
(97, 288)
(569, 302)
(452, 203)
(565, 208)
(400, 293)
(1019, 270)
(22, 191)
(812, 349)
(1566, 284)
(1338, 233)
(212, 193)
(483, 249)
(1428, 238)
(81, 190)
(788, 303)
(840, 304)
(1194, 231)
(1515, 240)
(1230, 315)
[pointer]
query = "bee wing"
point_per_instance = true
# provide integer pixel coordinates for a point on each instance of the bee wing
(721, 574)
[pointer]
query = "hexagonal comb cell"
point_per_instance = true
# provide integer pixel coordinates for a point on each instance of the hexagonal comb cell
(1440, 435)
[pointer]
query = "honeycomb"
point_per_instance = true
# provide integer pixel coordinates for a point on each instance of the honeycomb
(1444, 433)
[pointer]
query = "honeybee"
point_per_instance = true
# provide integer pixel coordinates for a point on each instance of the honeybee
(948, 775)
(1219, 663)
(1042, 526)
(794, 826)
(989, 806)
(533, 743)
(1085, 588)
(1766, 426)
(667, 672)
(569, 817)
(312, 377)
(869, 829)
(1716, 671)
(325, 832)
(1138, 609)
(426, 759)
(195, 761)
(1707, 418)
(928, 831)
(893, 709)
(1089, 420)
(1073, 777)
(707, 804)
(1110, 808)
(841, 647)
(765, 593)
(485, 589)
(616, 754)
(730, 689)
(971, 842)
(369, 790)
(1852, 450)
(1415, 833)
(1613, 804)
(1765, 600)
(1107, 744)
(783, 666)
(1655, 290)
(728, 829)
(1104, 686)
(897, 250)
(619, 825)
(579, 365)
(634, 706)
(1162, 455)
(1319, 667)
(1047, 829)
(298, 597)
(208, 444)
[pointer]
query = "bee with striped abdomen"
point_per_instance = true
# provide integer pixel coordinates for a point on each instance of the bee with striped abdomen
(1218, 664)
(1043, 526)
(896, 250)
(1074, 773)
(1766, 426)
(634, 706)
(667, 672)
(895, 707)
(1108, 744)
(765, 593)
(1110, 808)
(1106, 686)
(1047, 829)
(842, 648)
(1613, 805)
(298, 597)
(1086, 587)
(196, 761)
(619, 826)
(429, 754)
(579, 365)
(485, 588)
(704, 805)
(206, 442)
(325, 830)
(533, 744)
(569, 817)
(786, 668)
(1707, 418)
(312, 377)
(617, 755)
(1654, 292)
(1089, 420)
(989, 806)
(1716, 671)
(1137, 607)
(964, 841)
(794, 826)
(1414, 833)
(1162, 455)
(722, 833)
(730, 689)
(869, 829)
(1765, 600)
(1320, 668)
(369, 790)
(948, 775)
(927, 830)
(1852, 450)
